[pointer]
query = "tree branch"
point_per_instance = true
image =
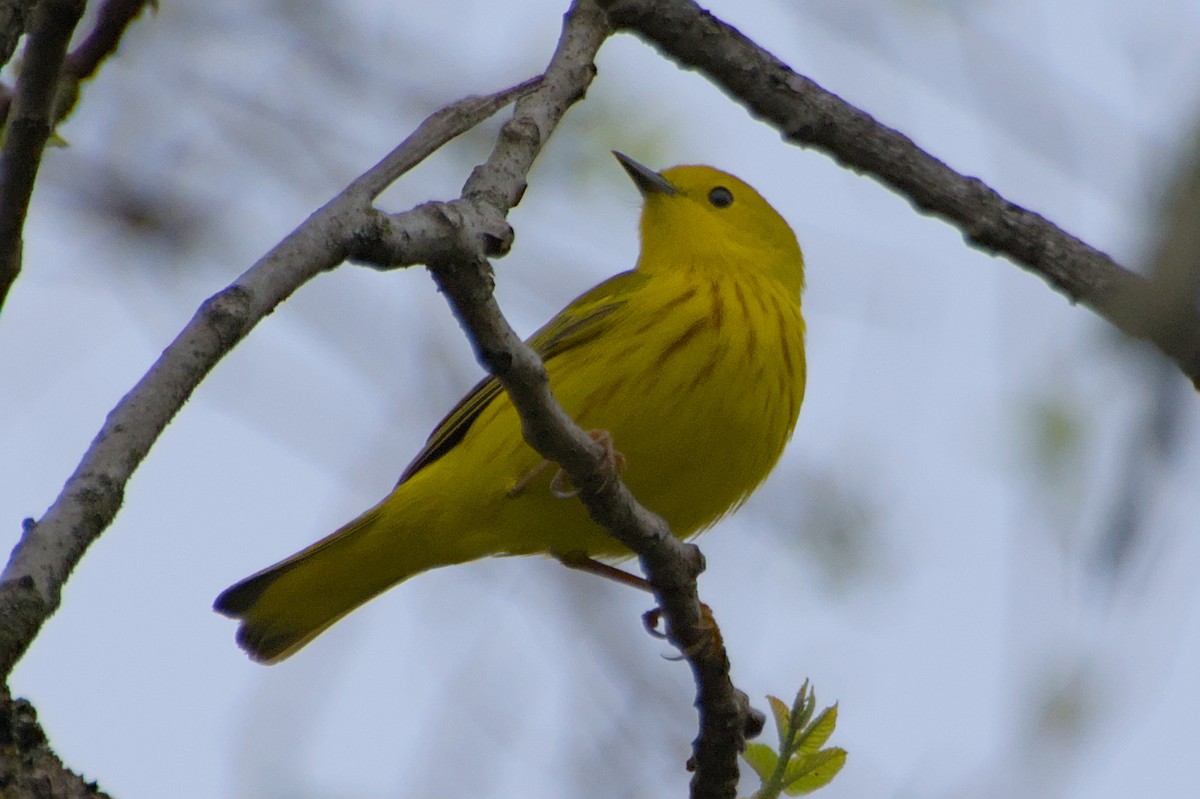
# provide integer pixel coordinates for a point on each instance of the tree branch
(29, 125)
(477, 230)
(29, 768)
(455, 239)
(13, 15)
(671, 566)
(811, 116)
(45, 94)
(49, 549)
(111, 21)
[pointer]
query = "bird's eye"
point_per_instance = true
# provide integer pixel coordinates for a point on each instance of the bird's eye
(720, 197)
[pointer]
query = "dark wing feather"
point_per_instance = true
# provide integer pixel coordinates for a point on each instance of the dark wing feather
(578, 323)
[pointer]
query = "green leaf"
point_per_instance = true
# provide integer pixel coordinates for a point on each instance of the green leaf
(783, 718)
(762, 759)
(810, 772)
(802, 708)
(818, 732)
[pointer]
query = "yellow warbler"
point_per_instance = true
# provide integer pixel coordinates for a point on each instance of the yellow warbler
(692, 364)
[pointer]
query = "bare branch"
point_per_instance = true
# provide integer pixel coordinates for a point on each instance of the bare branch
(460, 267)
(111, 21)
(40, 102)
(811, 116)
(670, 565)
(30, 122)
(13, 15)
(31, 584)
(29, 768)
(455, 239)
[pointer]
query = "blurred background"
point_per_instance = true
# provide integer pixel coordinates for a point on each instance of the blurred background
(981, 541)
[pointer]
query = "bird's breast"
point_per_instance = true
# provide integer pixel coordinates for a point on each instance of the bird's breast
(700, 390)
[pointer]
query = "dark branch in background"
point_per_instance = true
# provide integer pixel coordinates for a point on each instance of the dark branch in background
(112, 19)
(13, 16)
(30, 122)
(1154, 430)
(46, 92)
(811, 116)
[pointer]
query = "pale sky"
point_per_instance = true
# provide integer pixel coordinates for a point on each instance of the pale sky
(910, 556)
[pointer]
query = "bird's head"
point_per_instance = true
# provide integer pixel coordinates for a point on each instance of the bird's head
(701, 217)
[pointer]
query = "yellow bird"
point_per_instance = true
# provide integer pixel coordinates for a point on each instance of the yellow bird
(692, 365)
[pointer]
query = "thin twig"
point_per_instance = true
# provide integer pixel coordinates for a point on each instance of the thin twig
(31, 584)
(811, 116)
(427, 138)
(31, 119)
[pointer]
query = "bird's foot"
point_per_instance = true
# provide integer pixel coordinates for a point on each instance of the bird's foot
(710, 633)
(528, 478)
(560, 484)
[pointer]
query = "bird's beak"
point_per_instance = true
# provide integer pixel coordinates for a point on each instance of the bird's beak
(648, 181)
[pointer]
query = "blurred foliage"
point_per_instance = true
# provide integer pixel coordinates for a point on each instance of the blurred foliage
(1055, 456)
(829, 519)
(1065, 703)
(1055, 436)
(1156, 437)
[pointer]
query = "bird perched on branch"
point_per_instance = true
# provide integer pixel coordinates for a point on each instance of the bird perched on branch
(690, 366)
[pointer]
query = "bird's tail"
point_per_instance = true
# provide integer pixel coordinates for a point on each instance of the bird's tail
(287, 605)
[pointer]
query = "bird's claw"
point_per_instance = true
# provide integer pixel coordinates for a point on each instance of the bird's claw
(560, 484)
(710, 633)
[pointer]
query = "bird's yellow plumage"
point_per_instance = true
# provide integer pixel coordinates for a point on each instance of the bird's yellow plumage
(693, 363)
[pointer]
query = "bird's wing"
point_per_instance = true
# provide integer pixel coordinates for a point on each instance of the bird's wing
(583, 320)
